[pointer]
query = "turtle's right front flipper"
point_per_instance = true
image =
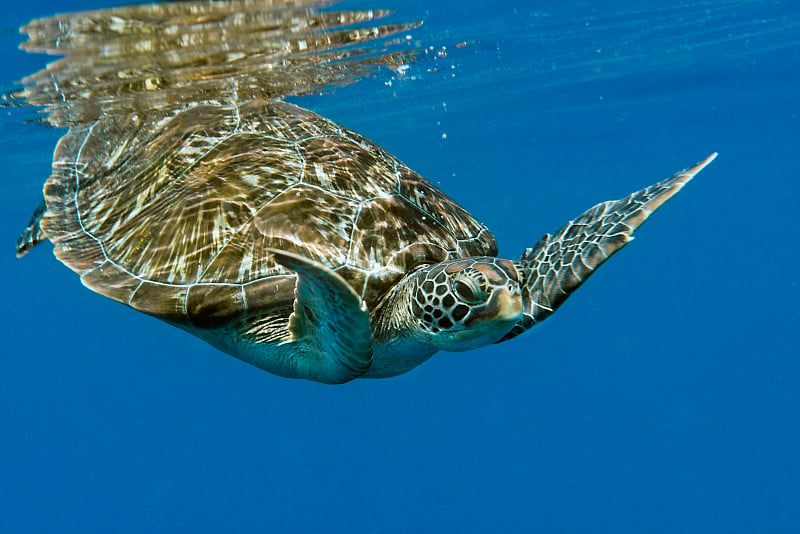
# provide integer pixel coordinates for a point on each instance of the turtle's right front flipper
(560, 263)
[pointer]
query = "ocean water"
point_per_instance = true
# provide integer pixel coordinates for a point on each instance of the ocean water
(664, 396)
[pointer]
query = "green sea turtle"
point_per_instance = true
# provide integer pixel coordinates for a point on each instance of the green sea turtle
(299, 246)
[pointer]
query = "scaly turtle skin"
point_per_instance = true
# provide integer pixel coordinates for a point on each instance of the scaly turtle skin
(297, 245)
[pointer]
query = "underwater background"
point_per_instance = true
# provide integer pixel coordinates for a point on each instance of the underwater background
(664, 396)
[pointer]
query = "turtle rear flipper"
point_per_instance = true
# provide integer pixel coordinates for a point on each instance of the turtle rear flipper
(560, 263)
(33, 234)
(329, 337)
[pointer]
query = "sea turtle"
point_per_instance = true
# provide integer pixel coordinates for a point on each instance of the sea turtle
(299, 246)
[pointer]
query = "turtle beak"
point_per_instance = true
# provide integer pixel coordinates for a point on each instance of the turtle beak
(504, 306)
(508, 305)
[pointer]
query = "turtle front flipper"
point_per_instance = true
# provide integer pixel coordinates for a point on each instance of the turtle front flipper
(560, 263)
(329, 329)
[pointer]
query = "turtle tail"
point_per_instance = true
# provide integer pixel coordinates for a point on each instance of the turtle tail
(33, 234)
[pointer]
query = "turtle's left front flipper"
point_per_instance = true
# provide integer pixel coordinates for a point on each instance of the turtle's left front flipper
(560, 263)
(329, 337)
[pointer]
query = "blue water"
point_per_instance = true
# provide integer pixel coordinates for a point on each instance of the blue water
(664, 396)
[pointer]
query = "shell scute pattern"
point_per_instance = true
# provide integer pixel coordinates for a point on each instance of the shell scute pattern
(211, 305)
(164, 300)
(178, 221)
(293, 221)
(341, 166)
(110, 281)
(207, 208)
(454, 219)
(387, 219)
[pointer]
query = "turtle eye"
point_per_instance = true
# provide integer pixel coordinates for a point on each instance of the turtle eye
(467, 290)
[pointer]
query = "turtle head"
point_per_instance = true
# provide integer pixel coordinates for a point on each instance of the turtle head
(463, 304)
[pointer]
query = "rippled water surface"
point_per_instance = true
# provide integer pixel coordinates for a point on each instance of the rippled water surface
(662, 397)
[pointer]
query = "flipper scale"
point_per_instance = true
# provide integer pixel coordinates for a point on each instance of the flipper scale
(559, 263)
(329, 328)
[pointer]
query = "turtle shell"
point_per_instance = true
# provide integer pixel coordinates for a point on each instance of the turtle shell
(175, 215)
